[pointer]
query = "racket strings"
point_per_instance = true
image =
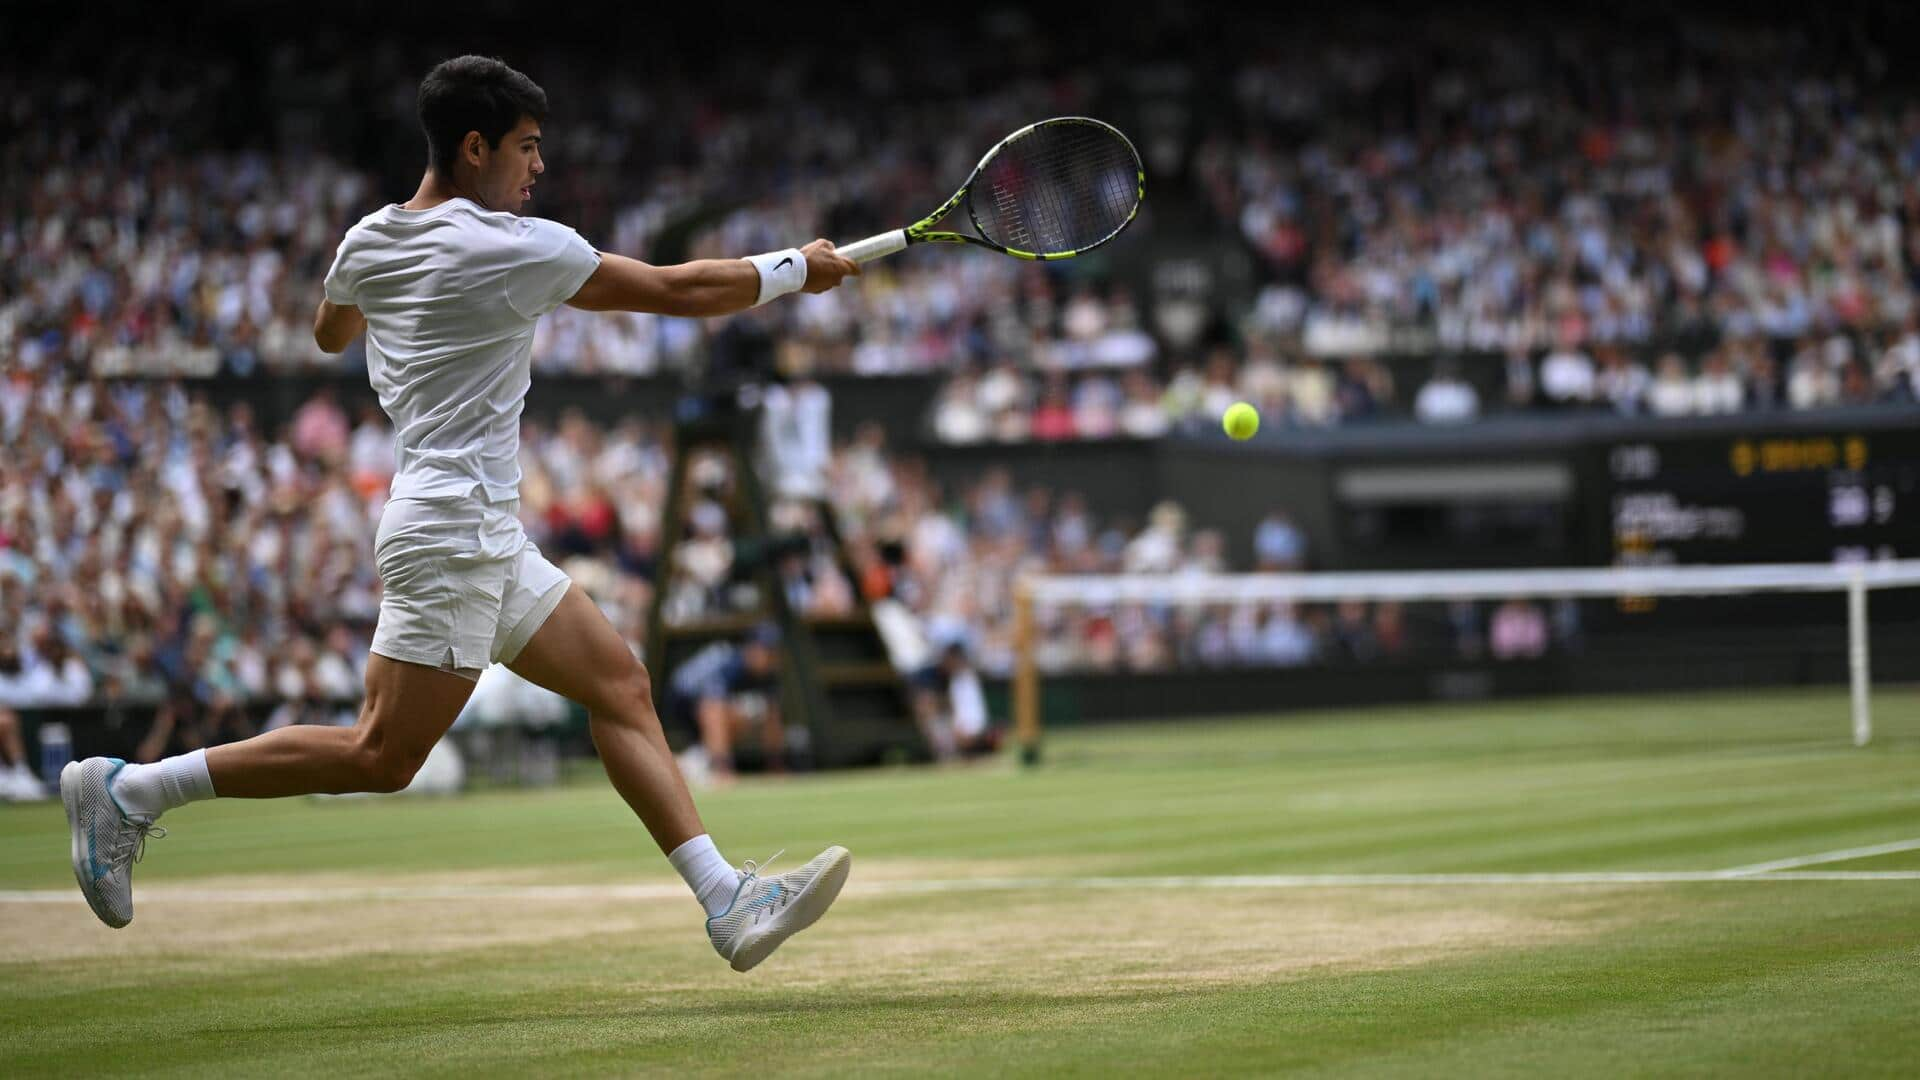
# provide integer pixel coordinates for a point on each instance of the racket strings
(1068, 201)
(1061, 187)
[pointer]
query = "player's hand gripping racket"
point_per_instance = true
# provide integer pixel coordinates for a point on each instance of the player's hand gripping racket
(1051, 190)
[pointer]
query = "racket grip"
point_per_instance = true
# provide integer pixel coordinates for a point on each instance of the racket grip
(873, 247)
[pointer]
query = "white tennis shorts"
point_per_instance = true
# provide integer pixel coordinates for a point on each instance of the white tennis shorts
(464, 587)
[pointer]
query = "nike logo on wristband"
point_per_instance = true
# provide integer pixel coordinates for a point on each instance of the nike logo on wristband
(783, 263)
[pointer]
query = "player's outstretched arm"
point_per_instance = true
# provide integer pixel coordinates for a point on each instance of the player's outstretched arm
(702, 287)
(336, 325)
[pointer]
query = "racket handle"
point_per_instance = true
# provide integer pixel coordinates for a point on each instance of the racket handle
(873, 247)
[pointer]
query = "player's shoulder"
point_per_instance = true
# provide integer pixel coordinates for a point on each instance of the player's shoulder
(371, 233)
(516, 235)
(358, 233)
(504, 221)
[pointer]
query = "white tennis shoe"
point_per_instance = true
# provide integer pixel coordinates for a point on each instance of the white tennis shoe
(768, 910)
(106, 842)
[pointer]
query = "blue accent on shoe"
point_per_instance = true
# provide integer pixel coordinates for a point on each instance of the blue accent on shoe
(118, 764)
(732, 900)
(775, 892)
(94, 866)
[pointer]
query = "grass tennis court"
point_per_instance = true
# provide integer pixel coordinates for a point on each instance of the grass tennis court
(538, 932)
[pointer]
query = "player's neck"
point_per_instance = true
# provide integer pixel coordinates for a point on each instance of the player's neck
(436, 189)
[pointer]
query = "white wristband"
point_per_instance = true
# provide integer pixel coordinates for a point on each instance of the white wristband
(781, 272)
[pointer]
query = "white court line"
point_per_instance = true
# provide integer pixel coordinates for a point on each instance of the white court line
(351, 894)
(1840, 855)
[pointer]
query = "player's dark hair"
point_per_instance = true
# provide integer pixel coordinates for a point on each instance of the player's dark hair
(473, 93)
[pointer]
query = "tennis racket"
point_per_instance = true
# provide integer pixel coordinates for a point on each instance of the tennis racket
(1051, 190)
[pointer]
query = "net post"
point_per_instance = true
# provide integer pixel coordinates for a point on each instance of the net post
(1857, 656)
(1026, 675)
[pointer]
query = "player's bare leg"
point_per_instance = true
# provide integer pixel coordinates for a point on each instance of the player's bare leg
(408, 708)
(576, 653)
(111, 806)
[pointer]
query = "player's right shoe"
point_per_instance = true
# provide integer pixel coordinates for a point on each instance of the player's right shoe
(768, 910)
(106, 842)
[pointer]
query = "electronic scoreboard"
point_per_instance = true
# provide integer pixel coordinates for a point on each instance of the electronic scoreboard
(1834, 495)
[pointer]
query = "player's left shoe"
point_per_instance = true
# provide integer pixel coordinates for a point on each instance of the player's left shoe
(106, 842)
(768, 910)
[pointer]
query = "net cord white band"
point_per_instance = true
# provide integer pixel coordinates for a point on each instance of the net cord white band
(1855, 579)
(1191, 589)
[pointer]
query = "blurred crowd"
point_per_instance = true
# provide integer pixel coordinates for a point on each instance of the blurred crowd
(142, 241)
(156, 551)
(1505, 190)
(1004, 403)
(1600, 218)
(1739, 376)
(136, 240)
(1447, 220)
(160, 553)
(953, 557)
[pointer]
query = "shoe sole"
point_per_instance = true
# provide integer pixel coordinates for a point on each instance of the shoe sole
(806, 909)
(70, 798)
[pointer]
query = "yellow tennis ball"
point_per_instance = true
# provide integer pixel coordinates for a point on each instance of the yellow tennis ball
(1241, 420)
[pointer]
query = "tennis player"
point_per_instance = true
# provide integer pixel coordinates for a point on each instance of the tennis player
(447, 287)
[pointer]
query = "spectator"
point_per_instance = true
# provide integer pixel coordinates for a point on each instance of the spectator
(1446, 398)
(305, 699)
(1364, 390)
(1283, 640)
(1310, 390)
(951, 707)
(1464, 623)
(1157, 549)
(1567, 378)
(503, 699)
(1762, 379)
(17, 781)
(191, 719)
(1718, 389)
(52, 674)
(1354, 636)
(320, 427)
(1053, 419)
(957, 415)
(1141, 415)
(1518, 374)
(1518, 631)
(1096, 407)
(1856, 386)
(796, 436)
(1278, 544)
(1811, 383)
(726, 693)
(1672, 393)
(1622, 383)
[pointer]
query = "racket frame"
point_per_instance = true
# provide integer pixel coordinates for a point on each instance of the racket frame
(923, 231)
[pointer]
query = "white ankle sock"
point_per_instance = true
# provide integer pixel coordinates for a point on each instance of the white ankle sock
(147, 791)
(710, 877)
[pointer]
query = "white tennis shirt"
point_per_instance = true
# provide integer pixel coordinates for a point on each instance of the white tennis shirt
(451, 294)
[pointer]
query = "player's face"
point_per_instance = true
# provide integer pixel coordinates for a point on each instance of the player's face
(508, 171)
